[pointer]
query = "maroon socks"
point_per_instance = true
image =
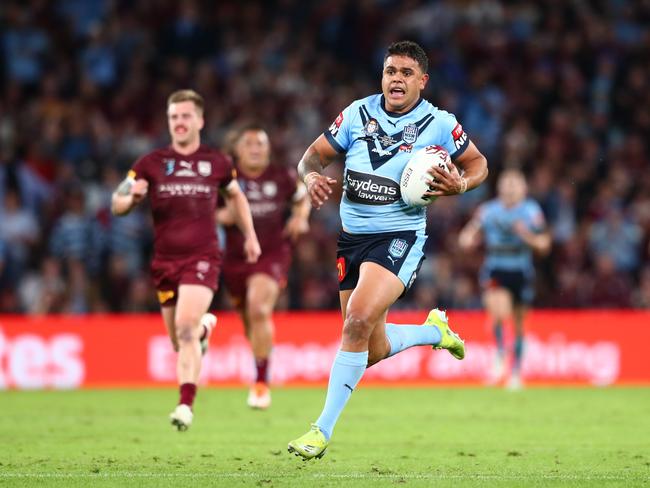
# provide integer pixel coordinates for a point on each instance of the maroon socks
(188, 392)
(262, 368)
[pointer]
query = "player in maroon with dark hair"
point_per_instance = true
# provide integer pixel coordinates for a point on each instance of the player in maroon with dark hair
(184, 180)
(280, 209)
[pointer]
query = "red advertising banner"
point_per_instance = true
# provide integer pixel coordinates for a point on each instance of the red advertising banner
(585, 347)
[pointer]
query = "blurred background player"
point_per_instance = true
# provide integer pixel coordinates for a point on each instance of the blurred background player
(381, 246)
(280, 210)
(185, 179)
(513, 227)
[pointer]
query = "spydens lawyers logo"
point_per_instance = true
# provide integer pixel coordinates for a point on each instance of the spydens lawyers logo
(370, 189)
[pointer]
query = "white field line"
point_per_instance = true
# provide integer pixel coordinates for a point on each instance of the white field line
(378, 476)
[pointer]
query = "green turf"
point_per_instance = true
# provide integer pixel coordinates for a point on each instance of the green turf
(386, 437)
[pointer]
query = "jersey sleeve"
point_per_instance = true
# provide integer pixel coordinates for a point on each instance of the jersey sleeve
(339, 134)
(140, 169)
(454, 138)
(229, 172)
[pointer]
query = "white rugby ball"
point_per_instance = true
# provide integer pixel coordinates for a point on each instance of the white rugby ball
(413, 183)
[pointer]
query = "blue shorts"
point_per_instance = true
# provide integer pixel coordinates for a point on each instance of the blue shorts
(401, 253)
(518, 283)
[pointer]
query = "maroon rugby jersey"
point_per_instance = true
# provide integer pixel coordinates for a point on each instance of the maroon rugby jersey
(183, 191)
(270, 198)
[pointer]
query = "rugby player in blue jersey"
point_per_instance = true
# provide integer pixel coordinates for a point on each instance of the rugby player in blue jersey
(513, 227)
(380, 248)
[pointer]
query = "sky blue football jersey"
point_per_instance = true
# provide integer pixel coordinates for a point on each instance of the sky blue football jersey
(505, 250)
(377, 145)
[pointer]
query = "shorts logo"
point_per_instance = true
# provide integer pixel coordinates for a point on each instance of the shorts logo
(398, 248)
(340, 268)
(164, 295)
(413, 276)
(410, 133)
(169, 166)
(205, 168)
(202, 266)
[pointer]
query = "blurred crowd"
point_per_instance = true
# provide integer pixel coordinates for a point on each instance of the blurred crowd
(559, 88)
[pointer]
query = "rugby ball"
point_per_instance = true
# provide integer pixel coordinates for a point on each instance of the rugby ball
(413, 183)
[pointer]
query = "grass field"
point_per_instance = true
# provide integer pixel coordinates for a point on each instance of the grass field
(386, 437)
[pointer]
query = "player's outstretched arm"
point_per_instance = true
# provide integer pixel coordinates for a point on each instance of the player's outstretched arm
(244, 220)
(318, 156)
(539, 242)
(475, 170)
(128, 194)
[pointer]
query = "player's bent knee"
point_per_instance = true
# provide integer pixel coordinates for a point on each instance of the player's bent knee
(357, 329)
(187, 331)
(259, 312)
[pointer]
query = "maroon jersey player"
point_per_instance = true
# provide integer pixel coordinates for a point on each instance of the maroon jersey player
(280, 211)
(183, 182)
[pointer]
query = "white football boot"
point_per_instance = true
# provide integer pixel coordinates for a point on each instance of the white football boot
(181, 417)
(209, 321)
(259, 396)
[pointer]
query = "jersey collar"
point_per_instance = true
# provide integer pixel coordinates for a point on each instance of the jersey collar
(382, 103)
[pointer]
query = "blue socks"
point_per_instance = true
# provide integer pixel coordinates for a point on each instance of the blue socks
(404, 336)
(347, 370)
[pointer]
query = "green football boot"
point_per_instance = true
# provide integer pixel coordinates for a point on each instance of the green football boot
(311, 445)
(450, 340)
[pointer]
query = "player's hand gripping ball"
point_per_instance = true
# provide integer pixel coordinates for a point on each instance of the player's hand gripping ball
(415, 176)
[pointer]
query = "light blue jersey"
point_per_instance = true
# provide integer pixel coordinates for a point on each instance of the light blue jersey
(505, 250)
(378, 144)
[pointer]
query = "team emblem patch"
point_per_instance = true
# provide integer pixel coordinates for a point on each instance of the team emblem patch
(398, 248)
(205, 168)
(169, 166)
(410, 133)
(371, 127)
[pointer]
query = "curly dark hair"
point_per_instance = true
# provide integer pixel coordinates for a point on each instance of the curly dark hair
(411, 49)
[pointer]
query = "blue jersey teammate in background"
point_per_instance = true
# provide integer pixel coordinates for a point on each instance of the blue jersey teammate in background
(381, 245)
(513, 227)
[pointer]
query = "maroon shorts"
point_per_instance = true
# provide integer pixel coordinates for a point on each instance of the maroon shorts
(236, 273)
(168, 274)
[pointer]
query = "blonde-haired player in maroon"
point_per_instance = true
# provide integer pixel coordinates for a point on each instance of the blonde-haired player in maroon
(183, 181)
(280, 211)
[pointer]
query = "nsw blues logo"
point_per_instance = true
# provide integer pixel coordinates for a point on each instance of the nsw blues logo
(398, 248)
(169, 166)
(410, 133)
